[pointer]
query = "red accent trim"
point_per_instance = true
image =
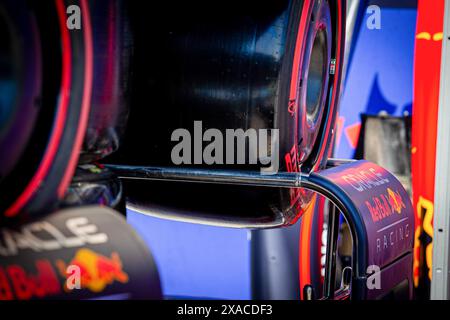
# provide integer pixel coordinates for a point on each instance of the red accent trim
(307, 217)
(304, 261)
(321, 215)
(352, 133)
(336, 92)
(294, 92)
(86, 103)
(306, 225)
(298, 56)
(60, 121)
(298, 61)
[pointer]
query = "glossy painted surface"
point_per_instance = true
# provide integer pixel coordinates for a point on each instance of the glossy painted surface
(384, 206)
(113, 262)
(427, 73)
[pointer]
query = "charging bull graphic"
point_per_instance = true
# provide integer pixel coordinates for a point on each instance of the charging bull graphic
(96, 270)
(42, 259)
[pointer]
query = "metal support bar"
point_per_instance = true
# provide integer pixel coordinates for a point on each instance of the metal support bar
(440, 284)
(332, 244)
(233, 177)
(248, 178)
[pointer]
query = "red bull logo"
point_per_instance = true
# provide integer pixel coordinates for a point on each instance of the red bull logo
(96, 271)
(385, 205)
(18, 283)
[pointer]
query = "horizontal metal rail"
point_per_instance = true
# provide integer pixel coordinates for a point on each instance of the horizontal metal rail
(234, 177)
(313, 182)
